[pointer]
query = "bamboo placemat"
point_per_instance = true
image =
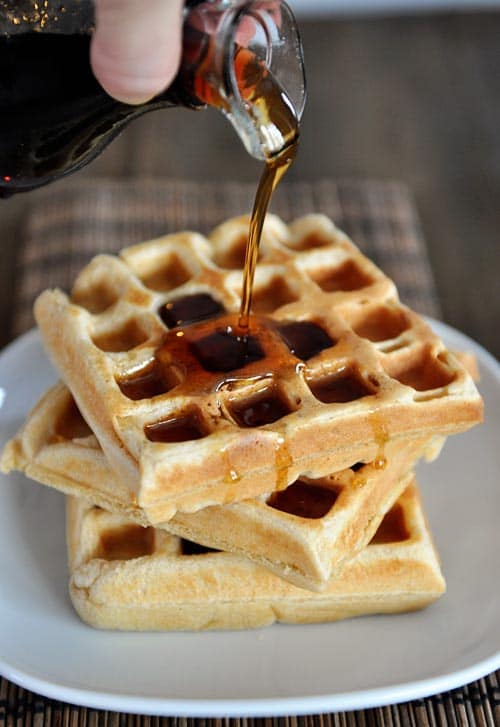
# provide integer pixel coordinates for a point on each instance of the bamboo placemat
(71, 224)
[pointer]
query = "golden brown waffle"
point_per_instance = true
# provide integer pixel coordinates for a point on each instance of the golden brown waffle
(302, 533)
(341, 369)
(127, 577)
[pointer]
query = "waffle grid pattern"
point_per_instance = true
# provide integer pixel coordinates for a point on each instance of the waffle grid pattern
(374, 354)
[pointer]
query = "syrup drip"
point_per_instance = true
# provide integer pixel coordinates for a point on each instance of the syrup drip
(381, 436)
(231, 475)
(273, 172)
(276, 118)
(283, 463)
(359, 470)
(277, 124)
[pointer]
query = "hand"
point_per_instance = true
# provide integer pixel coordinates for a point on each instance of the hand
(136, 47)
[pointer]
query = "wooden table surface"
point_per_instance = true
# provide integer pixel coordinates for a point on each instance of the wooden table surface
(410, 98)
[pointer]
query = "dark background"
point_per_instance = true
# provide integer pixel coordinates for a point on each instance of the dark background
(415, 99)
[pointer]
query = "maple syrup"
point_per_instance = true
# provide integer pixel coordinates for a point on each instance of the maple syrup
(264, 408)
(148, 382)
(210, 355)
(277, 123)
(55, 115)
(225, 350)
(182, 428)
(274, 170)
(189, 309)
(381, 436)
(277, 115)
(213, 356)
(305, 339)
(304, 499)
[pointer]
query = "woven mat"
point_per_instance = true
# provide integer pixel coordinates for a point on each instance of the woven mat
(70, 225)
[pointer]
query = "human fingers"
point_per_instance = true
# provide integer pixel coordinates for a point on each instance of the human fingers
(136, 47)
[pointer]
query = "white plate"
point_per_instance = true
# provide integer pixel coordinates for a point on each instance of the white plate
(275, 671)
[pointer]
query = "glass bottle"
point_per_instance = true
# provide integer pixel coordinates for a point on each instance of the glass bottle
(244, 58)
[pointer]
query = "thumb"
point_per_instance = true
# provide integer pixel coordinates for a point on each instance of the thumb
(136, 47)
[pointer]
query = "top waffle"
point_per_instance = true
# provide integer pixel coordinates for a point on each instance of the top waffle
(190, 415)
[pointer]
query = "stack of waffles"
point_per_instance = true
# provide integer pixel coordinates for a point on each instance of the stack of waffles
(228, 478)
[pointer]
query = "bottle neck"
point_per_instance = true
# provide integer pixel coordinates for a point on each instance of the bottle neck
(245, 59)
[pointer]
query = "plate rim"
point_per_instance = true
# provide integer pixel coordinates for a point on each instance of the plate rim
(254, 707)
(258, 706)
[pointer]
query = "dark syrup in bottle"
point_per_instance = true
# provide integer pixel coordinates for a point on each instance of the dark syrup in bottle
(55, 117)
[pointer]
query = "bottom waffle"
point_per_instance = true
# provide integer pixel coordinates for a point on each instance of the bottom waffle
(127, 577)
(304, 533)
